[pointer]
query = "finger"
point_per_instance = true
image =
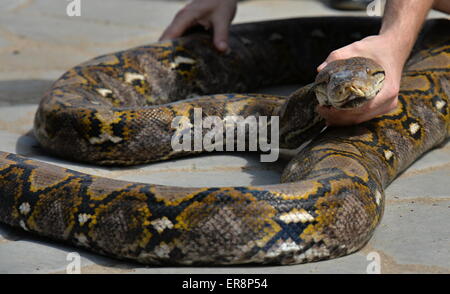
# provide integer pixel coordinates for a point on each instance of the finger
(182, 21)
(333, 117)
(340, 117)
(387, 106)
(345, 117)
(221, 34)
(328, 113)
(335, 55)
(383, 103)
(322, 66)
(342, 53)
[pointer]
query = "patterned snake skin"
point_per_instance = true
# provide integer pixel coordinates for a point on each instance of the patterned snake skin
(331, 196)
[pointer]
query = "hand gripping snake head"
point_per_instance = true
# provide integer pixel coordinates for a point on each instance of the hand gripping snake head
(349, 83)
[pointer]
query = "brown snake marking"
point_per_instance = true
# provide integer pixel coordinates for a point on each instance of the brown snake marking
(331, 196)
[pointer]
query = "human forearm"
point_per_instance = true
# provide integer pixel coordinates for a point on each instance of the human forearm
(442, 5)
(402, 22)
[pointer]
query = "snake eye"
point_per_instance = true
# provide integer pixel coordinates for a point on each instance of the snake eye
(367, 70)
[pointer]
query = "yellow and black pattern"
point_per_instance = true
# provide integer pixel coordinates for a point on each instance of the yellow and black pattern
(113, 110)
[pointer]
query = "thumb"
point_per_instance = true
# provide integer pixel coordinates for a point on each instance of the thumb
(322, 66)
(342, 53)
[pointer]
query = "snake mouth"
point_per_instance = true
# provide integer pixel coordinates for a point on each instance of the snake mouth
(353, 103)
(357, 97)
(357, 91)
(354, 97)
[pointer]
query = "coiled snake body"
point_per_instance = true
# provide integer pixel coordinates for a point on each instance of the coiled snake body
(107, 111)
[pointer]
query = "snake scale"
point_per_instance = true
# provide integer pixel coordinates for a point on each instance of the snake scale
(116, 110)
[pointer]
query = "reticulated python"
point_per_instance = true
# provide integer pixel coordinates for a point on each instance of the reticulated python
(331, 197)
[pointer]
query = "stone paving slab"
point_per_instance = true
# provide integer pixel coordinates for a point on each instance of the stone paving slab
(45, 258)
(416, 183)
(411, 234)
(38, 42)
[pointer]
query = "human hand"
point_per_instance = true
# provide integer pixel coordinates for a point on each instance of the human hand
(383, 50)
(217, 14)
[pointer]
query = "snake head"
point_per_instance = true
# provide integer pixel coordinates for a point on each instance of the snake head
(349, 83)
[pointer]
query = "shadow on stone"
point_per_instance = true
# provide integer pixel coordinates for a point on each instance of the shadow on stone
(16, 92)
(250, 171)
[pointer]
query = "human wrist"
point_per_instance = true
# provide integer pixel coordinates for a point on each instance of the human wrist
(397, 45)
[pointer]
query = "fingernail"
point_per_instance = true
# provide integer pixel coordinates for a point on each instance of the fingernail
(320, 67)
(222, 46)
